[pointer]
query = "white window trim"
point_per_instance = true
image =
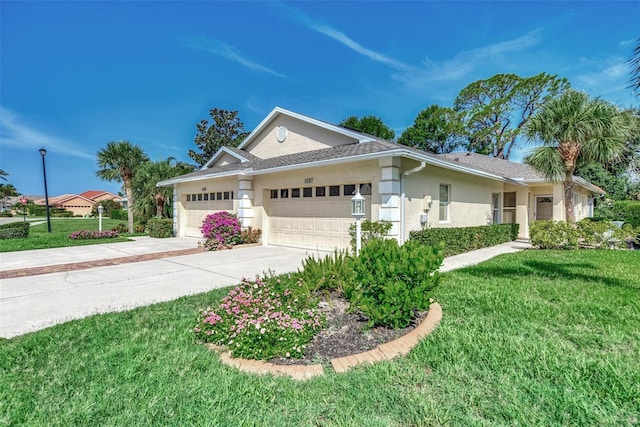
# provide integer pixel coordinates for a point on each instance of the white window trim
(447, 220)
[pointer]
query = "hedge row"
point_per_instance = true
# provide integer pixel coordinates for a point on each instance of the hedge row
(14, 230)
(627, 211)
(458, 240)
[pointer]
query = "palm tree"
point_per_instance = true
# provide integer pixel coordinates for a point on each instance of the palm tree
(634, 62)
(575, 127)
(6, 190)
(3, 174)
(118, 162)
(149, 197)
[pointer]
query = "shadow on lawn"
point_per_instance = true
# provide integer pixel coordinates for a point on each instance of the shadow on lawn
(583, 271)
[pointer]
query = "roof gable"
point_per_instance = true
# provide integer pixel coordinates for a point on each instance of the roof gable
(283, 132)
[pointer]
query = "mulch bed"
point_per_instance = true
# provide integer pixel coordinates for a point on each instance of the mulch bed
(345, 333)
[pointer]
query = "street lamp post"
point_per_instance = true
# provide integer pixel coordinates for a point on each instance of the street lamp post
(43, 152)
(358, 211)
(100, 209)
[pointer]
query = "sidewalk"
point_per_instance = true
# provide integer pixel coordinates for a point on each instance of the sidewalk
(61, 284)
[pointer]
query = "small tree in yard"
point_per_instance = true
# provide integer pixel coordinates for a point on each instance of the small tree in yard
(118, 161)
(571, 128)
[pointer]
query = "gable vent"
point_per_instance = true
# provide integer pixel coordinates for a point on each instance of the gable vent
(281, 134)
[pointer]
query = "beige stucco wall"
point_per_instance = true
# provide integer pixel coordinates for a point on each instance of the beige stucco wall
(470, 198)
(77, 205)
(191, 214)
(301, 137)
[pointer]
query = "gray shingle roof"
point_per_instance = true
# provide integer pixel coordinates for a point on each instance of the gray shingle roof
(495, 166)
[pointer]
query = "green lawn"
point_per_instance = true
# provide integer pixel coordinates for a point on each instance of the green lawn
(40, 238)
(540, 338)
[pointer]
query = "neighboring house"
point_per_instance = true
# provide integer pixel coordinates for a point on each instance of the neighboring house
(294, 177)
(80, 204)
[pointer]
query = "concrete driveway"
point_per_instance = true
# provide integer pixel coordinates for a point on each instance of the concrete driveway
(35, 302)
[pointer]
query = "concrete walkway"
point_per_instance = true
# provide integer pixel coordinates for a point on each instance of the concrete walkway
(45, 287)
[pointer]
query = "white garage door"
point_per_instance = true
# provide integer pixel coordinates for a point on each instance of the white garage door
(314, 223)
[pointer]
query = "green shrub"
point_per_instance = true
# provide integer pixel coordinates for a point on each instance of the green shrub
(369, 230)
(14, 230)
(392, 282)
(138, 227)
(593, 233)
(120, 214)
(121, 228)
(250, 235)
(619, 210)
(458, 240)
(553, 235)
(632, 211)
(331, 273)
(6, 214)
(60, 213)
(160, 227)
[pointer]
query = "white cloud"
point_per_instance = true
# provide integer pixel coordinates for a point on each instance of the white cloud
(227, 51)
(608, 77)
(465, 62)
(345, 40)
(15, 133)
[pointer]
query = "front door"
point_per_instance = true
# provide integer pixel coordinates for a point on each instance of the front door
(544, 208)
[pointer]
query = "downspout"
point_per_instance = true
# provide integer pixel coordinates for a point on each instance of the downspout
(402, 197)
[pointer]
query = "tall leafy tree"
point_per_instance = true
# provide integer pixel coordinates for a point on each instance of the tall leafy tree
(6, 191)
(495, 110)
(436, 130)
(370, 125)
(226, 129)
(118, 161)
(153, 200)
(571, 128)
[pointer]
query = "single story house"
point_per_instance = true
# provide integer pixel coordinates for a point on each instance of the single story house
(80, 204)
(294, 177)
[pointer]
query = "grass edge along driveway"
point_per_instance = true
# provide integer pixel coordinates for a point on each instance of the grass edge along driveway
(532, 338)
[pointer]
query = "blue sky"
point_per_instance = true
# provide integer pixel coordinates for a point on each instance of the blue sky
(75, 75)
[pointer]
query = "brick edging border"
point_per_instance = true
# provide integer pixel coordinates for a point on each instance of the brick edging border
(387, 351)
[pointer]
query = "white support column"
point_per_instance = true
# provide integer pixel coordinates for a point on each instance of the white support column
(389, 190)
(245, 201)
(174, 209)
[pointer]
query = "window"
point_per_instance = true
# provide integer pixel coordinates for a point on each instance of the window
(188, 197)
(495, 208)
(509, 208)
(225, 195)
(200, 197)
(307, 192)
(284, 193)
(193, 198)
(365, 189)
(212, 196)
(349, 190)
(321, 191)
(444, 202)
(205, 197)
(295, 192)
(334, 190)
(274, 194)
(219, 195)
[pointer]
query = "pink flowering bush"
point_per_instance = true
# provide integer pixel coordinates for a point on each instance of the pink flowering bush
(262, 319)
(220, 230)
(86, 235)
